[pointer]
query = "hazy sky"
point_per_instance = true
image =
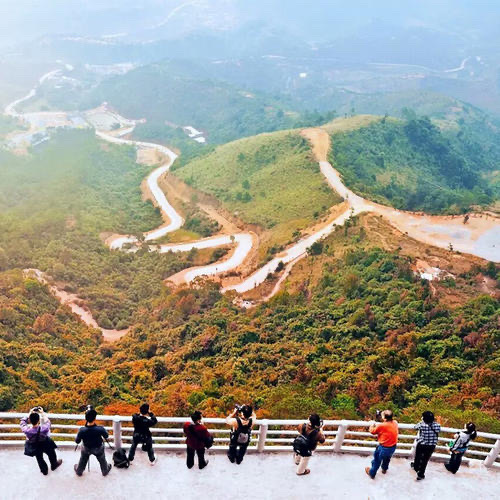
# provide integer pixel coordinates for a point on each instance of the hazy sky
(26, 19)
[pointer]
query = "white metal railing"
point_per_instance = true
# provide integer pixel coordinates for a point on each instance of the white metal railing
(342, 436)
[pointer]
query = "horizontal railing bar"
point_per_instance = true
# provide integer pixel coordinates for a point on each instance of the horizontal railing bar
(477, 453)
(282, 429)
(179, 430)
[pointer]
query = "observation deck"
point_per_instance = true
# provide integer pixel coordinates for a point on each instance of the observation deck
(267, 472)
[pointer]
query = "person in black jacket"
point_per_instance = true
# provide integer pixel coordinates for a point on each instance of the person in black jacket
(241, 421)
(93, 437)
(143, 421)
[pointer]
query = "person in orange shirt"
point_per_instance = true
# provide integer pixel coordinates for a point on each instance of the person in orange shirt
(387, 436)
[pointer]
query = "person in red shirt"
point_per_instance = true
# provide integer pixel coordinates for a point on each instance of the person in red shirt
(387, 436)
(197, 439)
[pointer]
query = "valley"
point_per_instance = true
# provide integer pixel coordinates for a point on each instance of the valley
(481, 237)
(205, 204)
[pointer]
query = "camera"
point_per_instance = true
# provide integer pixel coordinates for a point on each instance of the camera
(238, 408)
(378, 415)
(86, 408)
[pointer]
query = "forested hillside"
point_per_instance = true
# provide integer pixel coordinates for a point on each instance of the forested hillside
(414, 165)
(163, 94)
(43, 346)
(367, 334)
(56, 204)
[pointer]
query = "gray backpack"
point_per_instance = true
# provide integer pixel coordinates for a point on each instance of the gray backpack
(242, 434)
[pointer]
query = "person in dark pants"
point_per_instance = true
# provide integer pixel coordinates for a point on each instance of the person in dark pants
(312, 430)
(387, 435)
(241, 421)
(36, 428)
(459, 447)
(93, 437)
(197, 439)
(428, 433)
(143, 421)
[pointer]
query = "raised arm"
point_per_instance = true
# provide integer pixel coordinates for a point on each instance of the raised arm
(24, 424)
(152, 420)
(231, 418)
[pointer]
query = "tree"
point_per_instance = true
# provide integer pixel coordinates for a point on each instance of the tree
(316, 248)
(4, 261)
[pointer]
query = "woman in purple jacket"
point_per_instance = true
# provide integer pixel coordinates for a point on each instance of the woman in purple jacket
(36, 427)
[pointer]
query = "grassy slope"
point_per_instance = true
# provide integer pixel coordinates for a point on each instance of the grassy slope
(285, 187)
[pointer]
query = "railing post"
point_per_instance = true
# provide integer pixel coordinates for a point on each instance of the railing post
(261, 444)
(117, 432)
(493, 454)
(339, 438)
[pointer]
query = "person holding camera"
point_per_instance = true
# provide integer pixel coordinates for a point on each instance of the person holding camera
(241, 422)
(93, 437)
(143, 421)
(428, 433)
(459, 446)
(197, 440)
(310, 434)
(36, 428)
(387, 436)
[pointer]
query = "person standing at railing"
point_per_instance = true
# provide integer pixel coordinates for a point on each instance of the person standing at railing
(387, 435)
(36, 428)
(143, 421)
(197, 440)
(93, 437)
(428, 433)
(241, 422)
(310, 434)
(459, 446)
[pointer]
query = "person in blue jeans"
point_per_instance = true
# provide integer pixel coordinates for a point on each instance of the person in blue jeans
(387, 436)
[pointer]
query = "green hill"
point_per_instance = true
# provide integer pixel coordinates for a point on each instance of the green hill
(415, 165)
(271, 180)
(162, 92)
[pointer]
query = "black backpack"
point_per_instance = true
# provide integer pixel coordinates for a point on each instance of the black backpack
(242, 434)
(120, 459)
(302, 444)
(209, 441)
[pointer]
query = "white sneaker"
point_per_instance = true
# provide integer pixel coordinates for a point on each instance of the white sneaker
(153, 462)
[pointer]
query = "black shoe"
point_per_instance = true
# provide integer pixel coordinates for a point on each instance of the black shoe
(231, 459)
(204, 465)
(419, 478)
(44, 472)
(58, 463)
(109, 468)
(75, 468)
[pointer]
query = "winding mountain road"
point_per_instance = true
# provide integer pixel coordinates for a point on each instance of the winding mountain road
(415, 226)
